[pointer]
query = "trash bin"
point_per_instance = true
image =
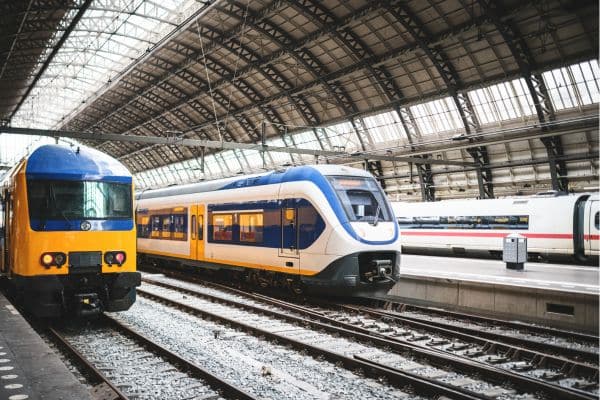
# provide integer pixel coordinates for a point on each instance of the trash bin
(514, 251)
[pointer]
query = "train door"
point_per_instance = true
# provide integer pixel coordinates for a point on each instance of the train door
(289, 235)
(194, 232)
(199, 223)
(3, 227)
(593, 228)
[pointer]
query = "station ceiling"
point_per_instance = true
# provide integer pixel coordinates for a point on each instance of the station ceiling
(510, 86)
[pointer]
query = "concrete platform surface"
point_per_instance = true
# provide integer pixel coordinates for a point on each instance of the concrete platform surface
(29, 368)
(559, 277)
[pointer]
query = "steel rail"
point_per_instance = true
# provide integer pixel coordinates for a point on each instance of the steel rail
(371, 369)
(433, 356)
(530, 348)
(398, 306)
(95, 372)
(576, 354)
(213, 380)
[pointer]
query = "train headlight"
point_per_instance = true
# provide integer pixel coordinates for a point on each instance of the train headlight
(47, 260)
(120, 257)
(59, 259)
(53, 259)
(115, 257)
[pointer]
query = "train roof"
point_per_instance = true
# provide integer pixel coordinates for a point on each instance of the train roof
(292, 174)
(58, 162)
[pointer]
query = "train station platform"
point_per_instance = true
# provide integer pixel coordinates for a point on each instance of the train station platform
(564, 296)
(29, 368)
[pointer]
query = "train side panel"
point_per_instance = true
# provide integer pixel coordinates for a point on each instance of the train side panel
(547, 222)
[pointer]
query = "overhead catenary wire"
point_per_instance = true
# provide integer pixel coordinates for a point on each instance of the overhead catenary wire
(235, 66)
(210, 91)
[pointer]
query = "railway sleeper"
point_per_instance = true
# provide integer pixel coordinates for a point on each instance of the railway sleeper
(583, 384)
(522, 366)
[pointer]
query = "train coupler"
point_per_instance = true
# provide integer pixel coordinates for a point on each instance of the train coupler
(381, 270)
(87, 304)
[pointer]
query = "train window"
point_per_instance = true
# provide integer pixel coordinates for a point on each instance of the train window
(156, 227)
(200, 227)
(143, 228)
(78, 200)
(361, 198)
(465, 222)
(251, 228)
(166, 223)
(179, 226)
(597, 221)
(193, 227)
(222, 226)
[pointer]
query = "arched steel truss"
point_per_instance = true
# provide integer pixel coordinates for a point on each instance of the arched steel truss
(227, 73)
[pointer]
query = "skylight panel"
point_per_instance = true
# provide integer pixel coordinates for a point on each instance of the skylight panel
(306, 140)
(253, 158)
(110, 35)
(385, 127)
(437, 116)
(560, 89)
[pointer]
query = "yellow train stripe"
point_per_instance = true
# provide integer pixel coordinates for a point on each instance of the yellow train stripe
(273, 268)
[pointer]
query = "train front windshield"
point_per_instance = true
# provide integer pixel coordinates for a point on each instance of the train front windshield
(362, 198)
(79, 200)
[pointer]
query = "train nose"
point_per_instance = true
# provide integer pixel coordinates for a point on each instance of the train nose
(376, 267)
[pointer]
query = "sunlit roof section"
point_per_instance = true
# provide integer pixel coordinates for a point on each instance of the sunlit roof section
(437, 116)
(573, 86)
(385, 127)
(110, 35)
(502, 102)
(436, 120)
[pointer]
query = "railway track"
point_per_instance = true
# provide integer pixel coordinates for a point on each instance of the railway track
(129, 365)
(425, 353)
(581, 346)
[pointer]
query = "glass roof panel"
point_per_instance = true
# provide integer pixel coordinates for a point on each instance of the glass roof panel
(573, 86)
(437, 116)
(507, 100)
(109, 36)
(385, 127)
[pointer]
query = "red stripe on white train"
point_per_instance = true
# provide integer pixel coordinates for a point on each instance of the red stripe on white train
(498, 234)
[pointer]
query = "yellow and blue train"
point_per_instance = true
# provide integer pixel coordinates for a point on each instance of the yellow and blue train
(67, 232)
(320, 228)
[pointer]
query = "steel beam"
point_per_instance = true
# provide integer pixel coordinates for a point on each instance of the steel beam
(536, 86)
(214, 144)
(52, 54)
(447, 72)
(329, 77)
(425, 174)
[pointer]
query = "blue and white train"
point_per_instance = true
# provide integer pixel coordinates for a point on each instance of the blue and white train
(323, 228)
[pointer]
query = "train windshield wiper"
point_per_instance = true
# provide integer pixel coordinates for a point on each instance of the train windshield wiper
(376, 218)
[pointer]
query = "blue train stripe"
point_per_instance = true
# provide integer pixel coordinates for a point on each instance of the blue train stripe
(75, 224)
(309, 174)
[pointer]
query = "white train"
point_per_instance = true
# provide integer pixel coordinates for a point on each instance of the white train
(324, 228)
(555, 226)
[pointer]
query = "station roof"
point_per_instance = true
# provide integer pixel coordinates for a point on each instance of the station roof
(509, 86)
